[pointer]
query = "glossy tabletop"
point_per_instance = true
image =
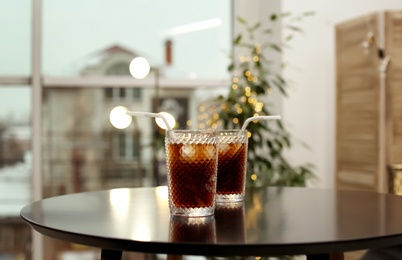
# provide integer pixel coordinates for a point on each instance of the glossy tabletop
(272, 221)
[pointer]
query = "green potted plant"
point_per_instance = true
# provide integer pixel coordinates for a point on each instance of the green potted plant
(254, 77)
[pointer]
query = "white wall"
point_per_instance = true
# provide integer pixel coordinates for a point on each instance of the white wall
(309, 111)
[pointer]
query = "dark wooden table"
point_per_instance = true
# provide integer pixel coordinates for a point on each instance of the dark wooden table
(271, 222)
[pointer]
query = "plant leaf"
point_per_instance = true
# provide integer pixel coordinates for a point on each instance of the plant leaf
(294, 28)
(268, 31)
(308, 13)
(289, 37)
(281, 79)
(280, 86)
(255, 27)
(275, 47)
(241, 20)
(238, 39)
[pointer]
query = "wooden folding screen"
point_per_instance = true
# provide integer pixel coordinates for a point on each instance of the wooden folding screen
(369, 100)
(393, 47)
(358, 105)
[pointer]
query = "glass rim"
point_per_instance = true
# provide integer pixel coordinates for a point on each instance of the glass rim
(231, 130)
(185, 131)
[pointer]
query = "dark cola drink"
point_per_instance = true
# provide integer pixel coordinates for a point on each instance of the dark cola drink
(200, 230)
(230, 222)
(191, 160)
(232, 164)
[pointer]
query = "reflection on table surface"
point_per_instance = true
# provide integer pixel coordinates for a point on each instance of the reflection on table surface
(269, 219)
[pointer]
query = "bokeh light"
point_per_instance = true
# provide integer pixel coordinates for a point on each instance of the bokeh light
(118, 117)
(169, 118)
(139, 68)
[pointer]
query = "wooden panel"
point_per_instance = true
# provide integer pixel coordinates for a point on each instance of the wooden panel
(393, 48)
(357, 100)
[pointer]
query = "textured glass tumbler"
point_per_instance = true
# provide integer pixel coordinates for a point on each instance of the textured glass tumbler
(191, 163)
(232, 165)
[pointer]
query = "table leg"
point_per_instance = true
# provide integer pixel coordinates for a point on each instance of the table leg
(111, 254)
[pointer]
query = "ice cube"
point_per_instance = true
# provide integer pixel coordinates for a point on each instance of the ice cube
(223, 148)
(187, 153)
(209, 151)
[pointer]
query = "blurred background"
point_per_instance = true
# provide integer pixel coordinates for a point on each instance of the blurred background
(64, 66)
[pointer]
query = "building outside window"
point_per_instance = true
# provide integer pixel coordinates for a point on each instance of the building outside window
(59, 88)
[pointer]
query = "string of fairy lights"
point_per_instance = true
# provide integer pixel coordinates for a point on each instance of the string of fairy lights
(208, 116)
(209, 111)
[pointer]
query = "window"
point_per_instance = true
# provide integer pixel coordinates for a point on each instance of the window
(15, 31)
(136, 93)
(122, 144)
(108, 93)
(127, 28)
(84, 75)
(122, 93)
(15, 168)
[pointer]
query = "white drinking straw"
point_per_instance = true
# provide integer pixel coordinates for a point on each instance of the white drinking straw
(148, 114)
(258, 118)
